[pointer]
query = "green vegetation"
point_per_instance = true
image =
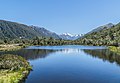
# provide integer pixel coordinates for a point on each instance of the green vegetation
(12, 30)
(16, 33)
(105, 55)
(49, 41)
(108, 37)
(10, 47)
(38, 41)
(14, 36)
(13, 68)
(114, 49)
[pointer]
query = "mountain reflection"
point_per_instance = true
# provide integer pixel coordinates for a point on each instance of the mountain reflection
(31, 54)
(103, 54)
(68, 51)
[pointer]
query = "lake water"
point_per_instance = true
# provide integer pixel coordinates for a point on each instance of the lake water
(71, 64)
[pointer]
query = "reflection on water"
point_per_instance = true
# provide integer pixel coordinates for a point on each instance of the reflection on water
(71, 64)
(105, 55)
(68, 51)
(31, 54)
(66, 47)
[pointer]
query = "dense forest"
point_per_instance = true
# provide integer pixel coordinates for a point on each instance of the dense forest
(36, 41)
(106, 36)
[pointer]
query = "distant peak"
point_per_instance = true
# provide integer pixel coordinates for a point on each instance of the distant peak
(68, 34)
(109, 25)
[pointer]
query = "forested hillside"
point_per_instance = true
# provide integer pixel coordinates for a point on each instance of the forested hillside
(108, 36)
(109, 25)
(13, 30)
(16, 33)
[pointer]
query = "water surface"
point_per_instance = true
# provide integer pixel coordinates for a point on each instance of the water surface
(71, 64)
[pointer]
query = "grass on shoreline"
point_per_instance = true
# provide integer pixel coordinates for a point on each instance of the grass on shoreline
(114, 49)
(11, 47)
(7, 76)
(13, 68)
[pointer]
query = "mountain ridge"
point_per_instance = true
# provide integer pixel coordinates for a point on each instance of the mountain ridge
(107, 36)
(106, 26)
(14, 30)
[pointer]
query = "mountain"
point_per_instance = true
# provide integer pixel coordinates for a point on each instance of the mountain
(107, 36)
(44, 32)
(14, 30)
(68, 36)
(109, 25)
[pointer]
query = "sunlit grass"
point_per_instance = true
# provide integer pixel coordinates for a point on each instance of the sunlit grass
(10, 47)
(114, 49)
(13, 68)
(11, 77)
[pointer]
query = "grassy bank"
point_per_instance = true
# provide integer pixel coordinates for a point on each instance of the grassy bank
(114, 49)
(11, 47)
(13, 68)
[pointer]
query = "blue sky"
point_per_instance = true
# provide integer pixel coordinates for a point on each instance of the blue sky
(73, 16)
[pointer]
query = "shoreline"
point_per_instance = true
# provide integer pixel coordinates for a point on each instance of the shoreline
(11, 47)
(114, 49)
(13, 68)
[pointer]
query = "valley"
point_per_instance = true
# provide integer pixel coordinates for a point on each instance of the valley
(19, 39)
(59, 41)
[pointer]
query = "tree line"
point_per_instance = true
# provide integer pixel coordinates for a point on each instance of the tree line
(36, 41)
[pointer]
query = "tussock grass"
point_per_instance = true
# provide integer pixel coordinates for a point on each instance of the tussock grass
(13, 68)
(10, 47)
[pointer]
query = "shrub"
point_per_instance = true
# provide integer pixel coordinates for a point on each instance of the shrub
(12, 62)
